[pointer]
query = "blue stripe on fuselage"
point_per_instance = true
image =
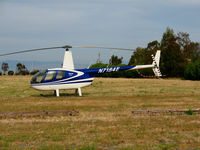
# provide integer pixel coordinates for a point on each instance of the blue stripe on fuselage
(87, 73)
(94, 71)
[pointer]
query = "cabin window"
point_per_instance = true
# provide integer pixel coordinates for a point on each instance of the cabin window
(60, 75)
(38, 77)
(50, 75)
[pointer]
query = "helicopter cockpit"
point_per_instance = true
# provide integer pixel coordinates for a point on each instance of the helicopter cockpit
(47, 76)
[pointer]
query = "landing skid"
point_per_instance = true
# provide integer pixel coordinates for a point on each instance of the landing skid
(77, 92)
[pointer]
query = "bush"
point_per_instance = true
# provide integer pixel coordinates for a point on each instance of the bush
(10, 72)
(0, 73)
(23, 72)
(190, 112)
(192, 71)
(34, 72)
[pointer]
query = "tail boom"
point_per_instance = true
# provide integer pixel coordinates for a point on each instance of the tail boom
(154, 66)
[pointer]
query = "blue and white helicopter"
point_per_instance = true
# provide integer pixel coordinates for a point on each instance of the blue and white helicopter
(69, 78)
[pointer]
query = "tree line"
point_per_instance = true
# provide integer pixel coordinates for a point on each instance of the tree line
(21, 69)
(180, 57)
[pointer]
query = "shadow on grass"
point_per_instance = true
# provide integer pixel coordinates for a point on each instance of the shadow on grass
(50, 95)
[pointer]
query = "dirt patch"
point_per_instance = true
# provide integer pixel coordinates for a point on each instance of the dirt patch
(25, 114)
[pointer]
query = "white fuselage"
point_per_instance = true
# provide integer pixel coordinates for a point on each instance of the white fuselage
(72, 79)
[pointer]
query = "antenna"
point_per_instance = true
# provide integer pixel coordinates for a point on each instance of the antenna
(99, 58)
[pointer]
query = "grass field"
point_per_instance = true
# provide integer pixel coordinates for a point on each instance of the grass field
(105, 119)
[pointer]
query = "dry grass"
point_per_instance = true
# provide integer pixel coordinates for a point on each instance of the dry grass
(105, 120)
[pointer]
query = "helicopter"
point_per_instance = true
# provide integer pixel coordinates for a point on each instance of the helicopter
(68, 77)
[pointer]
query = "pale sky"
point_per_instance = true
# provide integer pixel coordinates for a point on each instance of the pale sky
(27, 24)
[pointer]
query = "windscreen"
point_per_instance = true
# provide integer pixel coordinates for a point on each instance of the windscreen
(37, 78)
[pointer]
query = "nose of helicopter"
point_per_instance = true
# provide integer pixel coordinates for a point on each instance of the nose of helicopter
(37, 79)
(35, 86)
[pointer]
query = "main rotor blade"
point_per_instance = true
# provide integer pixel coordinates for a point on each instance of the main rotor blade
(103, 48)
(65, 47)
(38, 49)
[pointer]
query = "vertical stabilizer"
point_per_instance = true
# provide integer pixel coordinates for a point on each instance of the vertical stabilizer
(157, 58)
(68, 60)
(156, 63)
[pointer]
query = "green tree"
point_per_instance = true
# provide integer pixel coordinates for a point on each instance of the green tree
(183, 39)
(167, 37)
(196, 54)
(189, 49)
(4, 67)
(10, 72)
(153, 46)
(142, 56)
(173, 62)
(99, 65)
(138, 57)
(115, 60)
(21, 69)
(192, 71)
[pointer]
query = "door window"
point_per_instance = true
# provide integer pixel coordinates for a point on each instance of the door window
(60, 75)
(50, 75)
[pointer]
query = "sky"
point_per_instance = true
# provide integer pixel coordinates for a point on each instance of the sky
(28, 24)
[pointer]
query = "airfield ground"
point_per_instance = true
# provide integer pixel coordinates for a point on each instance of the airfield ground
(103, 118)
